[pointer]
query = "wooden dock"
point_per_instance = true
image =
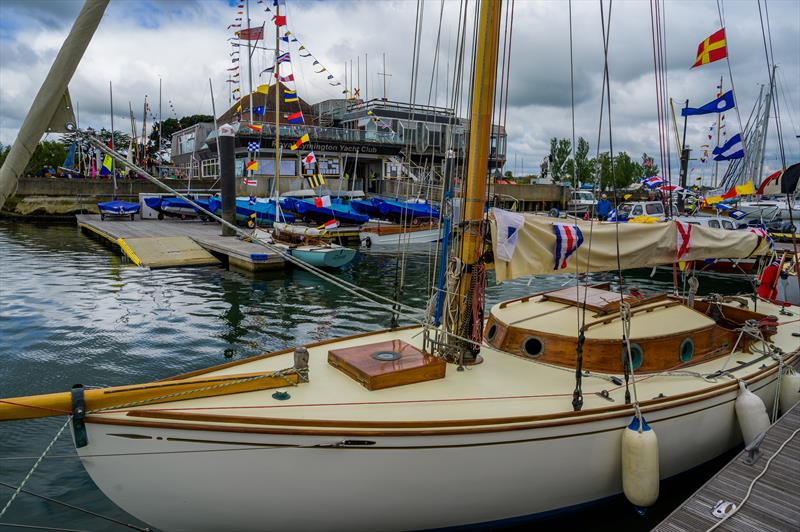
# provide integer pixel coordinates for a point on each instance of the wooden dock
(176, 243)
(773, 505)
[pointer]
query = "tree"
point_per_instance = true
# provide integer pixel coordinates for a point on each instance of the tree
(4, 149)
(584, 167)
(48, 154)
(559, 154)
(625, 170)
(508, 174)
(649, 166)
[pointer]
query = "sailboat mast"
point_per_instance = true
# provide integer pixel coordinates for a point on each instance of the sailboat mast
(250, 58)
(277, 110)
(716, 163)
(474, 191)
(113, 162)
(765, 127)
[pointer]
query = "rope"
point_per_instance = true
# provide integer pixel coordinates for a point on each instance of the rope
(34, 466)
(753, 482)
(66, 505)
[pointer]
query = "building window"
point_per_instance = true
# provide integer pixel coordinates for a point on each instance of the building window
(209, 168)
(393, 170)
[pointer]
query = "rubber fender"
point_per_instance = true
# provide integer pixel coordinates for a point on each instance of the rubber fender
(640, 474)
(751, 414)
(790, 389)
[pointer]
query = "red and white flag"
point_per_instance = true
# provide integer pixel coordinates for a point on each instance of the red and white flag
(684, 239)
(250, 182)
(321, 202)
(330, 224)
(309, 159)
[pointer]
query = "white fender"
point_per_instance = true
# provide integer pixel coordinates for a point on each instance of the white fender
(640, 475)
(751, 413)
(790, 389)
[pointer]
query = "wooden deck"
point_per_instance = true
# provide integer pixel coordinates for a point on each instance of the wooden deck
(774, 504)
(176, 243)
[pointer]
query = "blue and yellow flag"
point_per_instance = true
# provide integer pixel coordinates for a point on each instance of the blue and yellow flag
(315, 180)
(105, 169)
(289, 96)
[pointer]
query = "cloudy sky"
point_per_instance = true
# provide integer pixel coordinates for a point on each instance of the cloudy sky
(184, 42)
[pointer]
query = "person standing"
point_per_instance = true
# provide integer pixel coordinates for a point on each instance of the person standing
(603, 208)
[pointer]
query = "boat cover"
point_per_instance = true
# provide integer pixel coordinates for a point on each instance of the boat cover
(529, 242)
(341, 212)
(118, 207)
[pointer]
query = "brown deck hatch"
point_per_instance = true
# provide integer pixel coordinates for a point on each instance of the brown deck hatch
(387, 364)
(597, 300)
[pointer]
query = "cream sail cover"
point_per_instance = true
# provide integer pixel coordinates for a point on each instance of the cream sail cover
(640, 246)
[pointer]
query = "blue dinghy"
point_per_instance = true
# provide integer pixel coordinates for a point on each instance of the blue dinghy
(171, 207)
(409, 210)
(117, 208)
(339, 211)
(264, 209)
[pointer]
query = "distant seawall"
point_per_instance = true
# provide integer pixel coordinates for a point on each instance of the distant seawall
(61, 197)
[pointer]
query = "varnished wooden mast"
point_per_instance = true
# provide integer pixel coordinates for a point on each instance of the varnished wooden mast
(474, 191)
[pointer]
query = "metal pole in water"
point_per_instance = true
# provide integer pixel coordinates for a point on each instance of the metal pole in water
(227, 174)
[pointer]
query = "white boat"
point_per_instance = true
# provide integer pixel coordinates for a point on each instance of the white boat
(394, 235)
(321, 255)
(581, 201)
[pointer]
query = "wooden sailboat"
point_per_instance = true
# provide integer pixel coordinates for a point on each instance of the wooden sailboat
(381, 431)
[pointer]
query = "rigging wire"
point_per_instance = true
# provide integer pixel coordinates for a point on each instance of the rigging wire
(766, 35)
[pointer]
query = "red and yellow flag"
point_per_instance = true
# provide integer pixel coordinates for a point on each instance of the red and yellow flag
(712, 49)
(302, 140)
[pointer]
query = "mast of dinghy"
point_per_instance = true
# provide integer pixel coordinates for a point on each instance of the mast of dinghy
(49, 96)
(474, 191)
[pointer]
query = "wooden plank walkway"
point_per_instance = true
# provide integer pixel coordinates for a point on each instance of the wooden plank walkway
(774, 504)
(156, 236)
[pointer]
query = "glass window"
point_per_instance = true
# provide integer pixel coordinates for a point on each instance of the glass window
(655, 208)
(727, 225)
(714, 224)
(328, 166)
(209, 168)
(637, 211)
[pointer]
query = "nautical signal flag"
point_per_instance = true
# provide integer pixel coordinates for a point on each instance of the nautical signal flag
(322, 202)
(330, 224)
(283, 79)
(263, 89)
(289, 96)
(259, 110)
(720, 105)
(280, 20)
(253, 146)
(284, 58)
(295, 118)
(315, 180)
(653, 181)
(733, 149)
(302, 140)
(251, 166)
(713, 48)
(309, 159)
(250, 183)
(270, 70)
(254, 127)
(568, 239)
(683, 238)
(105, 169)
(251, 34)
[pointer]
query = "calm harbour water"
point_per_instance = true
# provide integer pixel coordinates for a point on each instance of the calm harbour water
(72, 310)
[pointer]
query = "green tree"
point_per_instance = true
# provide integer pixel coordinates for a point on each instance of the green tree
(4, 153)
(625, 170)
(508, 174)
(48, 154)
(584, 166)
(559, 155)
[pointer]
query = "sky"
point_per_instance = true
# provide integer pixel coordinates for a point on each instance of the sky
(185, 42)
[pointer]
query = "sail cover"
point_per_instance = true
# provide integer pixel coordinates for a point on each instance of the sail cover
(540, 240)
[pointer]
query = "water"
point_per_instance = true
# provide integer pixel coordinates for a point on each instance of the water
(72, 310)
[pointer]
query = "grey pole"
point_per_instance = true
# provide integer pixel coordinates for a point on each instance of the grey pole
(227, 174)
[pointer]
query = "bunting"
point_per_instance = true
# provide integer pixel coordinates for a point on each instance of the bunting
(315, 180)
(289, 96)
(280, 20)
(284, 79)
(295, 118)
(251, 166)
(302, 140)
(283, 58)
(263, 89)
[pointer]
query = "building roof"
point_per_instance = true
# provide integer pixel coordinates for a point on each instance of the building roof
(240, 111)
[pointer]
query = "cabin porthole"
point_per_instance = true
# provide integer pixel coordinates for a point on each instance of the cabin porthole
(492, 332)
(532, 346)
(637, 356)
(386, 356)
(686, 350)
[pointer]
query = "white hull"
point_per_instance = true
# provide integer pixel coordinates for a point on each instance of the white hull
(369, 239)
(399, 483)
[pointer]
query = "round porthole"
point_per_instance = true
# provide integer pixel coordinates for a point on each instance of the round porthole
(386, 356)
(532, 346)
(687, 350)
(492, 332)
(637, 356)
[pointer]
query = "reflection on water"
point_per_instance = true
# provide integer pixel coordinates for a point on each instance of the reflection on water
(74, 311)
